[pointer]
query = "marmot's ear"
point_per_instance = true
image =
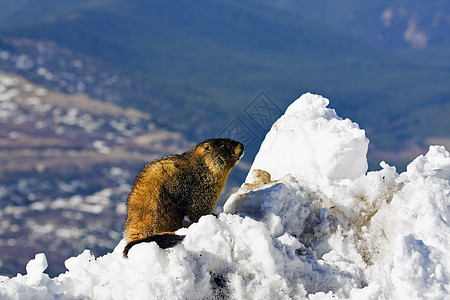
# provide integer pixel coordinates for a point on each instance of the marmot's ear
(203, 149)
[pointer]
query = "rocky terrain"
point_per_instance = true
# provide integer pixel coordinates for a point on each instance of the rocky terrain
(67, 163)
(57, 68)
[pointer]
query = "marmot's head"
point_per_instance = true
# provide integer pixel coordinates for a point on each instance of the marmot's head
(220, 154)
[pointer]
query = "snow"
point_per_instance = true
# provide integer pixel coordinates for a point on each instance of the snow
(309, 223)
(314, 143)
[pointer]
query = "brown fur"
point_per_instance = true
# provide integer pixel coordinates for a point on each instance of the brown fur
(176, 186)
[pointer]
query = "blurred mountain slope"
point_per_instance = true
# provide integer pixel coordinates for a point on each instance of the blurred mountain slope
(209, 59)
(67, 165)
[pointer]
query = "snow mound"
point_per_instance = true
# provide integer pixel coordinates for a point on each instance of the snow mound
(312, 142)
(309, 222)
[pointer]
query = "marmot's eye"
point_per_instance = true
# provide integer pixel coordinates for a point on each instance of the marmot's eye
(222, 146)
(207, 148)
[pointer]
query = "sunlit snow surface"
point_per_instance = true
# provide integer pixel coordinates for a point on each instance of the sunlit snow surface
(308, 223)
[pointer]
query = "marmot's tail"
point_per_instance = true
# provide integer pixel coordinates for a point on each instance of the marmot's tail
(164, 240)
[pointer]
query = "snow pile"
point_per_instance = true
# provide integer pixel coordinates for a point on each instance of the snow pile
(313, 142)
(308, 223)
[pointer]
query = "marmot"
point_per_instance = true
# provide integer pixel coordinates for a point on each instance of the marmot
(176, 186)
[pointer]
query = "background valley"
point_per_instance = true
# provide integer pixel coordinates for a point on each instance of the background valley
(90, 91)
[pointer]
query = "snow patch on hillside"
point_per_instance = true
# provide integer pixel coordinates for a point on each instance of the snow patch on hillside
(309, 222)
